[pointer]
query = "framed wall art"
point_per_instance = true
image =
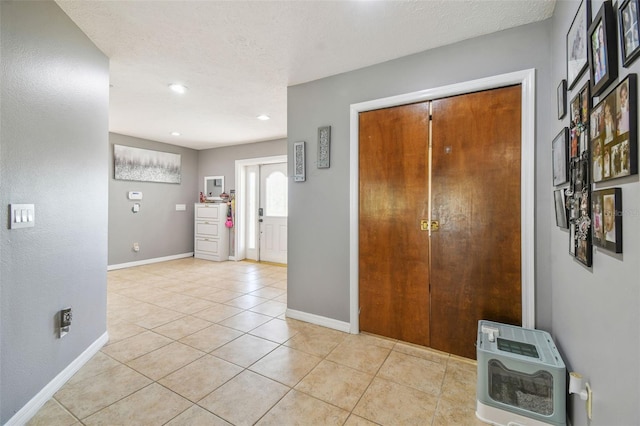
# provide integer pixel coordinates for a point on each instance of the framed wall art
(145, 165)
(628, 18)
(579, 108)
(562, 216)
(299, 171)
(324, 147)
(562, 99)
(607, 219)
(579, 122)
(560, 148)
(614, 133)
(579, 207)
(603, 54)
(577, 43)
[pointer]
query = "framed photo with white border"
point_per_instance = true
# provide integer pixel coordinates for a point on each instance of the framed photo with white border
(577, 58)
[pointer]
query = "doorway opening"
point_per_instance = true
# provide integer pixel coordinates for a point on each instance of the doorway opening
(527, 81)
(261, 209)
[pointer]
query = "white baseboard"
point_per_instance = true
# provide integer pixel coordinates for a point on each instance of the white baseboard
(31, 408)
(148, 261)
(319, 320)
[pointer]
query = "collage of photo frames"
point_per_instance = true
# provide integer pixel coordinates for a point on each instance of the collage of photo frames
(601, 142)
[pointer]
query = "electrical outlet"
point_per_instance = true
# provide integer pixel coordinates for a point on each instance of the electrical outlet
(65, 321)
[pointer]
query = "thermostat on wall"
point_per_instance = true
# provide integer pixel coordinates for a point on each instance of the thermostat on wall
(135, 195)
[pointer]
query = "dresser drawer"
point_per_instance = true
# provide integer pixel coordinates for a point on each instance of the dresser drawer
(212, 212)
(209, 229)
(209, 246)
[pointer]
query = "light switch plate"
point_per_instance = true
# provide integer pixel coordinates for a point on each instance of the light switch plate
(181, 207)
(22, 215)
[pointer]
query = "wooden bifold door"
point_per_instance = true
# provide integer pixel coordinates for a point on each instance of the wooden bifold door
(439, 218)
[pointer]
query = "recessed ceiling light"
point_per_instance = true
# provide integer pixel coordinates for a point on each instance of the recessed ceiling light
(263, 117)
(175, 133)
(178, 88)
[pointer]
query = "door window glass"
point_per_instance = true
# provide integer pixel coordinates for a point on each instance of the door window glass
(276, 195)
(251, 210)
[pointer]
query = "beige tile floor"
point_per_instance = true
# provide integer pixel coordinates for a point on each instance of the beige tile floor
(194, 342)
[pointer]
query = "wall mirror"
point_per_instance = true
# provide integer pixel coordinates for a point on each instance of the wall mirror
(213, 187)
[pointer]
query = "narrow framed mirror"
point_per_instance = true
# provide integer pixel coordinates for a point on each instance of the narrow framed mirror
(213, 187)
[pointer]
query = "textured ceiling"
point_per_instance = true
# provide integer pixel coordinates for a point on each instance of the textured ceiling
(238, 57)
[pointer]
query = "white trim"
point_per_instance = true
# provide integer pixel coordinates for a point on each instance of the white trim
(240, 252)
(527, 79)
(148, 261)
(31, 408)
(318, 320)
(498, 417)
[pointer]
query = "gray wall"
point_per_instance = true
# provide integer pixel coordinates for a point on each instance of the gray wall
(53, 153)
(319, 254)
(595, 310)
(222, 161)
(158, 228)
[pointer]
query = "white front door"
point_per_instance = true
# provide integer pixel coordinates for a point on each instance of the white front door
(272, 213)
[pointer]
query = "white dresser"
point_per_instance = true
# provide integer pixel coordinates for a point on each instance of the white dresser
(211, 239)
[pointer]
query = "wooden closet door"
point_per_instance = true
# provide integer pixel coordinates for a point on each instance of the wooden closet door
(476, 253)
(394, 252)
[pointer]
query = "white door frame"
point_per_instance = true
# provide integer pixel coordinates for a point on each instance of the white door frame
(527, 180)
(240, 225)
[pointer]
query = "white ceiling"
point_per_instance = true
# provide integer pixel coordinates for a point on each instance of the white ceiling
(238, 57)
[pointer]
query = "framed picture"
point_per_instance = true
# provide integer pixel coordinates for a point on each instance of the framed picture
(560, 147)
(603, 54)
(628, 18)
(562, 99)
(614, 133)
(579, 109)
(577, 43)
(607, 219)
(584, 250)
(579, 202)
(299, 172)
(145, 165)
(562, 215)
(324, 147)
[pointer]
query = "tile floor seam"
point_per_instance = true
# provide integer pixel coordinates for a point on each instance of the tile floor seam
(328, 402)
(373, 377)
(171, 390)
(65, 408)
(168, 374)
(115, 402)
(293, 388)
(272, 407)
